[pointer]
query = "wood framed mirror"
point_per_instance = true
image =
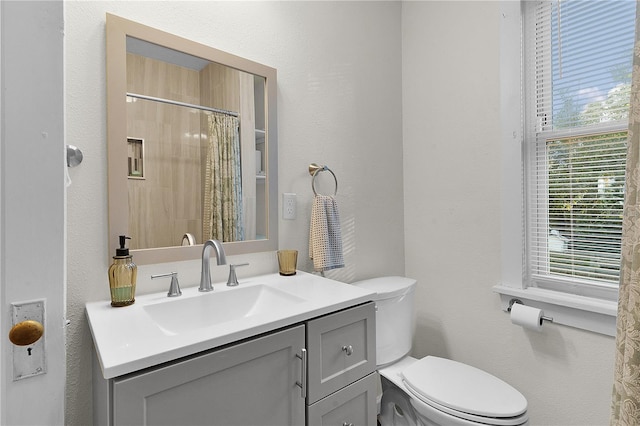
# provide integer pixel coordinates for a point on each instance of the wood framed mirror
(208, 122)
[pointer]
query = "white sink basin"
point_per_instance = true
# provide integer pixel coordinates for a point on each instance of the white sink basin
(181, 315)
(158, 329)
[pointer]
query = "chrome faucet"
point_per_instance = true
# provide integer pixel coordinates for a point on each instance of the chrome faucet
(205, 275)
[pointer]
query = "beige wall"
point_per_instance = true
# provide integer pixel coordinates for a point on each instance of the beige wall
(164, 210)
(452, 185)
(168, 198)
(339, 103)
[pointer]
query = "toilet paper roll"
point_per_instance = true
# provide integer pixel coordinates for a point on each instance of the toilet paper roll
(526, 316)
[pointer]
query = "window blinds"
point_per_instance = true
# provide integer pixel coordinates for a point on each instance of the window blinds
(578, 78)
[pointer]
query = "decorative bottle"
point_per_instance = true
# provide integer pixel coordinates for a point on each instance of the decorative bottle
(122, 276)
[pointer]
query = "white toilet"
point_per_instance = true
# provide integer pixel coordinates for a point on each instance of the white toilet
(431, 391)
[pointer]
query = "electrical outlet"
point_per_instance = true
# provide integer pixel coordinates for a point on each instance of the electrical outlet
(289, 205)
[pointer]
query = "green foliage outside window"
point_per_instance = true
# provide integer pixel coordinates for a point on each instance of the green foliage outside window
(586, 190)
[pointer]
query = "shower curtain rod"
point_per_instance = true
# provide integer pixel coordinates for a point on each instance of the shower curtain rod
(183, 104)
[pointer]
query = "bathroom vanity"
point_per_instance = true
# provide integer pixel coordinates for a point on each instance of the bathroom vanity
(272, 351)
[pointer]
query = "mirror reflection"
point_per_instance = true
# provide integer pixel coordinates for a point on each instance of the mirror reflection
(196, 135)
(192, 153)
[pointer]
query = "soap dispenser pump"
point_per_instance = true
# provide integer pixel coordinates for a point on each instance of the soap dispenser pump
(122, 276)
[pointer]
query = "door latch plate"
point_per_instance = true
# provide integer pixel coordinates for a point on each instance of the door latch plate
(28, 361)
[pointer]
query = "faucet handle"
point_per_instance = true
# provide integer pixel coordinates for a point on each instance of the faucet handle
(233, 279)
(174, 288)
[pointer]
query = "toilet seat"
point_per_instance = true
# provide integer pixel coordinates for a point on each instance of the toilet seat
(464, 391)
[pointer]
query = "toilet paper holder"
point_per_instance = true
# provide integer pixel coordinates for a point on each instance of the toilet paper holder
(512, 301)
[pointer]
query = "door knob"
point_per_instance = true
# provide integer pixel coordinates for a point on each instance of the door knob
(26, 332)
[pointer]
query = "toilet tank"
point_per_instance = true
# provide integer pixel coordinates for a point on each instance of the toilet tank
(395, 316)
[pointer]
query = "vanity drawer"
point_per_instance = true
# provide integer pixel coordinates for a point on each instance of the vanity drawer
(341, 350)
(354, 405)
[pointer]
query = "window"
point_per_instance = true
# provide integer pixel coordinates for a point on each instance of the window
(578, 61)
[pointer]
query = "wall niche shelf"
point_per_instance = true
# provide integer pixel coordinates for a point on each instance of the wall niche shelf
(135, 160)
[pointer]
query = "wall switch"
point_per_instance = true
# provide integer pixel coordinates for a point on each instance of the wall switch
(28, 361)
(289, 205)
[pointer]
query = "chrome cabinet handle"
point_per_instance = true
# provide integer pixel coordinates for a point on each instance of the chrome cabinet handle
(347, 424)
(348, 350)
(303, 375)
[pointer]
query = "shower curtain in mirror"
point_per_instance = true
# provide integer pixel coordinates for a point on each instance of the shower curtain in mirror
(626, 386)
(222, 208)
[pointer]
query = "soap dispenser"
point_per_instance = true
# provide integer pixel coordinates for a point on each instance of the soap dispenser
(122, 276)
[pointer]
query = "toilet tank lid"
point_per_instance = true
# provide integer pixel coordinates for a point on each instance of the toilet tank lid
(387, 287)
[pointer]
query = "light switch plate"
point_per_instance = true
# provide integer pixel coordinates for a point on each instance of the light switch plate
(29, 361)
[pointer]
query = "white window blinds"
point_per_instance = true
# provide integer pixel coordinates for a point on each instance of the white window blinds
(578, 60)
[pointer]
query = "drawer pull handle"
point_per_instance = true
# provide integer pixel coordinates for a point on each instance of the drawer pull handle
(347, 424)
(303, 375)
(348, 350)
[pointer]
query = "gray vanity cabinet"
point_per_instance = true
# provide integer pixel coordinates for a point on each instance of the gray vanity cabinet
(250, 383)
(354, 405)
(342, 368)
(258, 381)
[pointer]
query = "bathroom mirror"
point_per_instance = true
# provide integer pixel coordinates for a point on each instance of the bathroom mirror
(192, 146)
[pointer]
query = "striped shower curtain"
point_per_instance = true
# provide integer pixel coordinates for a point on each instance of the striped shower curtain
(222, 209)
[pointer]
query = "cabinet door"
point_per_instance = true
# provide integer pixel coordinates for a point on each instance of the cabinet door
(251, 383)
(354, 405)
(342, 349)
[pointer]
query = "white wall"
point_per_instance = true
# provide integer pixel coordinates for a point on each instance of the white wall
(339, 99)
(452, 185)
(339, 103)
(32, 202)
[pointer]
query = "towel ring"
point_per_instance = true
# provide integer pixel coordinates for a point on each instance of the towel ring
(314, 169)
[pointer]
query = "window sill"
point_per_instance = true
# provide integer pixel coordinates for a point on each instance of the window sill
(586, 313)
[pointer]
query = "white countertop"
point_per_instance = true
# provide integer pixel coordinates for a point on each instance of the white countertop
(127, 339)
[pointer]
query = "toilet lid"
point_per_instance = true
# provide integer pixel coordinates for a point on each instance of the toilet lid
(462, 388)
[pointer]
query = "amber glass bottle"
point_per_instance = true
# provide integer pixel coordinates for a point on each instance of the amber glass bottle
(122, 276)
